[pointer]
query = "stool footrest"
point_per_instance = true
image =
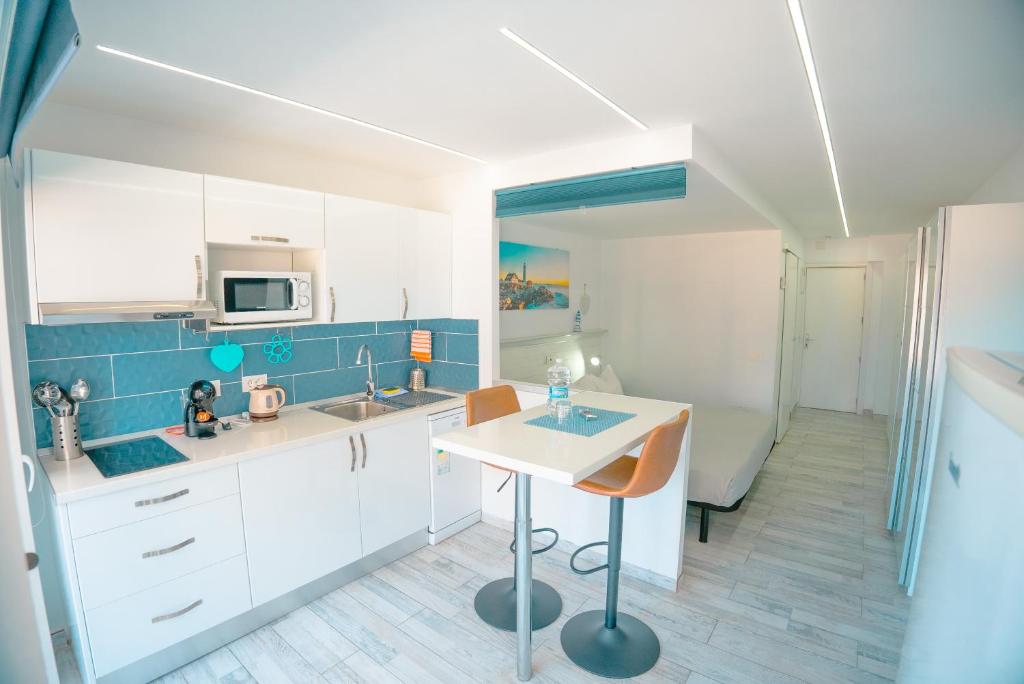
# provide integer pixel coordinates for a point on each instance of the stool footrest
(543, 549)
(572, 559)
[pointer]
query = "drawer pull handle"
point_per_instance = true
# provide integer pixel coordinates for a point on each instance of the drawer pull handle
(170, 549)
(178, 613)
(270, 238)
(161, 499)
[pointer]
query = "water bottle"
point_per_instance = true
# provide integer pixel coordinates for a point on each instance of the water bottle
(558, 387)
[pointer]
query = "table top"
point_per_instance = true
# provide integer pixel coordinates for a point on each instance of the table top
(560, 456)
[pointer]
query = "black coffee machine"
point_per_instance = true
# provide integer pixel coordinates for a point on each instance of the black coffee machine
(200, 420)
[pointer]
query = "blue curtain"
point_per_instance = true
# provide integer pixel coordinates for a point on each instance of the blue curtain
(646, 184)
(43, 40)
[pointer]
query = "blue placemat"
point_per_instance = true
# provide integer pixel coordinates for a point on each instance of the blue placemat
(134, 455)
(577, 425)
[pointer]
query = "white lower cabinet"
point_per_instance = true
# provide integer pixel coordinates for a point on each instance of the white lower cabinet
(301, 511)
(141, 624)
(394, 484)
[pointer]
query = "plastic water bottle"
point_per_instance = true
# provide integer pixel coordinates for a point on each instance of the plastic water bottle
(558, 387)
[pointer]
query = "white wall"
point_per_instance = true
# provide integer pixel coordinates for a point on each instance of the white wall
(584, 267)
(882, 255)
(695, 317)
(1006, 184)
(65, 128)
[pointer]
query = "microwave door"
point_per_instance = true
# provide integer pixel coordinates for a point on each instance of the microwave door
(246, 295)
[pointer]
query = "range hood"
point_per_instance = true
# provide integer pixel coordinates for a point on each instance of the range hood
(119, 312)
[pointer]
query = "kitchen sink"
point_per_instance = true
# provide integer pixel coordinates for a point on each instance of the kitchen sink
(355, 409)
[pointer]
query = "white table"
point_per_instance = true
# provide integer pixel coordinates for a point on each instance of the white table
(558, 456)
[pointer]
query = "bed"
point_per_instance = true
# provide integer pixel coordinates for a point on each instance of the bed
(729, 447)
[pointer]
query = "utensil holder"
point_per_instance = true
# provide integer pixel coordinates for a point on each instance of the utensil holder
(67, 443)
(417, 379)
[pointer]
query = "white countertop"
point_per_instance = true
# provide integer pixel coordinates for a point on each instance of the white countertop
(296, 426)
(560, 456)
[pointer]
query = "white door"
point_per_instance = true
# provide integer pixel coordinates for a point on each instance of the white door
(833, 323)
(107, 231)
(394, 486)
(426, 268)
(241, 212)
(790, 340)
(26, 653)
(362, 258)
(301, 512)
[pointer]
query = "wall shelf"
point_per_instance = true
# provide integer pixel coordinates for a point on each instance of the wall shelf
(541, 339)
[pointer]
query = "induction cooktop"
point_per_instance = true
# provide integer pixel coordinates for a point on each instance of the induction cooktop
(134, 455)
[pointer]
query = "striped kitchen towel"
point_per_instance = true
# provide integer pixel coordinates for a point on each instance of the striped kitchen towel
(421, 345)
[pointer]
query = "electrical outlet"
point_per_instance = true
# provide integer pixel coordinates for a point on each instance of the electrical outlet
(216, 387)
(251, 382)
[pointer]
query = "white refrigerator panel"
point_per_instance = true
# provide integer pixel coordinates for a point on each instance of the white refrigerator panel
(966, 622)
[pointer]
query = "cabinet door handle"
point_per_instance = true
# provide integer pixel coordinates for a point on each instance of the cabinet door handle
(269, 238)
(161, 499)
(362, 438)
(352, 443)
(178, 613)
(170, 549)
(199, 277)
(334, 303)
(405, 303)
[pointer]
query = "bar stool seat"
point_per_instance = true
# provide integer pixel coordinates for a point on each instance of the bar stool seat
(609, 643)
(495, 603)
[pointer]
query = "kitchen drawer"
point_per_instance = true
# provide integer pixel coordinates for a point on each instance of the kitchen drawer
(128, 559)
(141, 503)
(136, 626)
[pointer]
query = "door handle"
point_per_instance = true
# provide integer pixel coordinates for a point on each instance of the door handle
(334, 303)
(199, 277)
(405, 303)
(352, 443)
(362, 438)
(27, 460)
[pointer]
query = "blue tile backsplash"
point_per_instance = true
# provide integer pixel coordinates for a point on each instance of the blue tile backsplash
(139, 371)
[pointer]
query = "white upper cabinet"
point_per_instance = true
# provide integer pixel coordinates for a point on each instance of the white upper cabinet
(361, 259)
(385, 262)
(426, 269)
(394, 483)
(108, 231)
(241, 212)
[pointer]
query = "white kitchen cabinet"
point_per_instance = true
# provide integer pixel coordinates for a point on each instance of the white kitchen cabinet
(301, 513)
(385, 262)
(108, 231)
(425, 273)
(394, 483)
(245, 213)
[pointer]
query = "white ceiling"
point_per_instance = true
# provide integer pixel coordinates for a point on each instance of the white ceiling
(709, 207)
(925, 97)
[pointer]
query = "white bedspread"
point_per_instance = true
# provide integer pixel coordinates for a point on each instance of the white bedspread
(729, 447)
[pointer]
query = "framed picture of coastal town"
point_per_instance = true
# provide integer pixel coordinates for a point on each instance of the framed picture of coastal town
(532, 277)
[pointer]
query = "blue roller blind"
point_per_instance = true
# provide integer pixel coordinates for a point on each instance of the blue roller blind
(647, 184)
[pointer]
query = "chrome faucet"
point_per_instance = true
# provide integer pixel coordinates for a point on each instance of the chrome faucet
(369, 368)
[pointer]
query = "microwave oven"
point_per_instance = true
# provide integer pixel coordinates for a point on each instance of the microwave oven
(262, 296)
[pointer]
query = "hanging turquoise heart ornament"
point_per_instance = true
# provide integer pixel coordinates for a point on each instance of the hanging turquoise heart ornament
(227, 356)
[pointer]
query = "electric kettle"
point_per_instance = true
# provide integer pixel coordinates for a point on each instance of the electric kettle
(265, 401)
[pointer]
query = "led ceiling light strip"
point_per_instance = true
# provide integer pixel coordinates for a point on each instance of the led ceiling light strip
(518, 40)
(283, 100)
(797, 15)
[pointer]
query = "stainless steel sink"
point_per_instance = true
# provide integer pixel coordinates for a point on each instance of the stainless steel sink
(355, 409)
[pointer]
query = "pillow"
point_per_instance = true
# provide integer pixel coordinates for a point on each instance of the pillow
(590, 383)
(611, 381)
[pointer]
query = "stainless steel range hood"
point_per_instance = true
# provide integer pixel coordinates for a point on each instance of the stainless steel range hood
(119, 312)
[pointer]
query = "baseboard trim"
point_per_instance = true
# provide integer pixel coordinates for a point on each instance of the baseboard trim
(454, 528)
(173, 657)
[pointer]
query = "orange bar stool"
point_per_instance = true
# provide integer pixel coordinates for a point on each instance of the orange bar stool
(495, 603)
(609, 643)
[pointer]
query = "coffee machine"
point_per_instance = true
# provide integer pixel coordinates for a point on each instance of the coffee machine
(200, 420)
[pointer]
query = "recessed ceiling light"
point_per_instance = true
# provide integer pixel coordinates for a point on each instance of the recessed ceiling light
(518, 40)
(797, 15)
(283, 100)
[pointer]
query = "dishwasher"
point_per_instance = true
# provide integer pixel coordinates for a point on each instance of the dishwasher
(454, 482)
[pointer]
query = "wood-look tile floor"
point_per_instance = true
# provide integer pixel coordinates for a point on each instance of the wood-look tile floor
(798, 585)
